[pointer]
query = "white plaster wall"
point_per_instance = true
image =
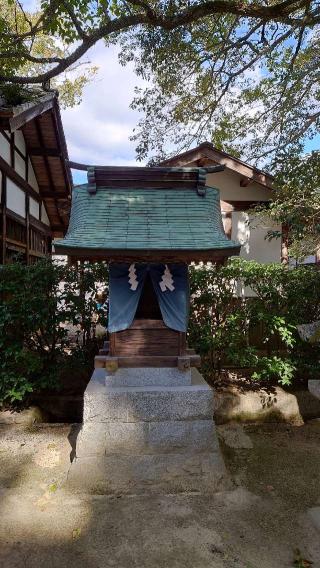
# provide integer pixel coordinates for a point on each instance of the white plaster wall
(16, 200)
(34, 208)
(254, 245)
(19, 141)
(229, 185)
(19, 165)
(251, 235)
(44, 216)
(31, 177)
(5, 149)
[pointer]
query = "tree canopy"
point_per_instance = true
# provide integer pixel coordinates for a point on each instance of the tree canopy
(296, 204)
(244, 75)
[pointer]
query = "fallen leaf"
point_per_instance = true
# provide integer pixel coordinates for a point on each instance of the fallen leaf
(299, 561)
(76, 533)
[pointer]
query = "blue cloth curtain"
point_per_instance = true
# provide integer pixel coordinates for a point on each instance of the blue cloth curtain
(170, 283)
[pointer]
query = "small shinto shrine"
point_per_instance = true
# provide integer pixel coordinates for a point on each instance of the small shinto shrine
(149, 224)
(147, 414)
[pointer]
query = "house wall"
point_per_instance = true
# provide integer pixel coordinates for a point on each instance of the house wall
(24, 227)
(16, 198)
(244, 228)
(5, 151)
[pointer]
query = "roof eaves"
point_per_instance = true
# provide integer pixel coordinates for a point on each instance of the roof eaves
(259, 176)
(15, 117)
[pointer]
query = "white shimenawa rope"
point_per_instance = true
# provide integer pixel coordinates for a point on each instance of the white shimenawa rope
(166, 280)
(133, 277)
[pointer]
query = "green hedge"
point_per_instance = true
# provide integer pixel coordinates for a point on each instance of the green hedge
(36, 346)
(223, 327)
(37, 301)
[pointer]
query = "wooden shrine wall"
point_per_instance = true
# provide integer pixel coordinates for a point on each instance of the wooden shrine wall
(147, 337)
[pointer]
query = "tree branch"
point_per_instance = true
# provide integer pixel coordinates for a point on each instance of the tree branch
(279, 12)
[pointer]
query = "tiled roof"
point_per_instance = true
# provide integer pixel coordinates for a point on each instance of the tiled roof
(145, 219)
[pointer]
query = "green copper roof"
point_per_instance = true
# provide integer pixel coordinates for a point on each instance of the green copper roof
(145, 219)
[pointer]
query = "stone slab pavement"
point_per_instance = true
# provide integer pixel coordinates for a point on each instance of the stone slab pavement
(259, 523)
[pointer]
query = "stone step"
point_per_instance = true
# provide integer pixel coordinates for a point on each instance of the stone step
(197, 436)
(138, 474)
(148, 376)
(148, 404)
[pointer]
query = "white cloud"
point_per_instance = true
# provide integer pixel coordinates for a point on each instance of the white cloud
(98, 130)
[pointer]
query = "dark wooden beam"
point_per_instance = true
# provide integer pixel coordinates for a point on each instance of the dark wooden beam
(46, 161)
(16, 178)
(4, 217)
(207, 150)
(163, 256)
(27, 168)
(12, 150)
(19, 120)
(27, 228)
(58, 228)
(5, 134)
(245, 182)
(41, 227)
(16, 217)
(234, 205)
(55, 152)
(55, 195)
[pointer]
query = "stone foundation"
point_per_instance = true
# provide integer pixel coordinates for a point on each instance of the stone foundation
(148, 430)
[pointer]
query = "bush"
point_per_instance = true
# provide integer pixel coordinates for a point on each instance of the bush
(49, 315)
(224, 329)
(39, 304)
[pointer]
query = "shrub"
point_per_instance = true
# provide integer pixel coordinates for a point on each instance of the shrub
(38, 305)
(225, 328)
(49, 316)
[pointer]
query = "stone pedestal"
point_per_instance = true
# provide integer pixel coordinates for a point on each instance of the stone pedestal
(148, 429)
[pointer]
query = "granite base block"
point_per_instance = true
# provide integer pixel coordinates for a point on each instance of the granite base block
(149, 437)
(97, 439)
(104, 403)
(174, 473)
(148, 376)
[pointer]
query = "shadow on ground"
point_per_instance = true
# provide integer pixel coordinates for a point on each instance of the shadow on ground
(256, 525)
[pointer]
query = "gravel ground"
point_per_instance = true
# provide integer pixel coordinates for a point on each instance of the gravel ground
(259, 524)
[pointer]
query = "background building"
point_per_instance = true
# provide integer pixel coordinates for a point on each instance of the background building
(241, 187)
(35, 179)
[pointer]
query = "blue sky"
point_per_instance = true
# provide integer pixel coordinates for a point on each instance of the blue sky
(98, 130)
(313, 144)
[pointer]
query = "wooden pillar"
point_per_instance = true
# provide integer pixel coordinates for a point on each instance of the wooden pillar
(27, 229)
(27, 168)
(285, 244)
(4, 218)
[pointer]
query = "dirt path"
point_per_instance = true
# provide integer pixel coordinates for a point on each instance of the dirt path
(258, 524)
